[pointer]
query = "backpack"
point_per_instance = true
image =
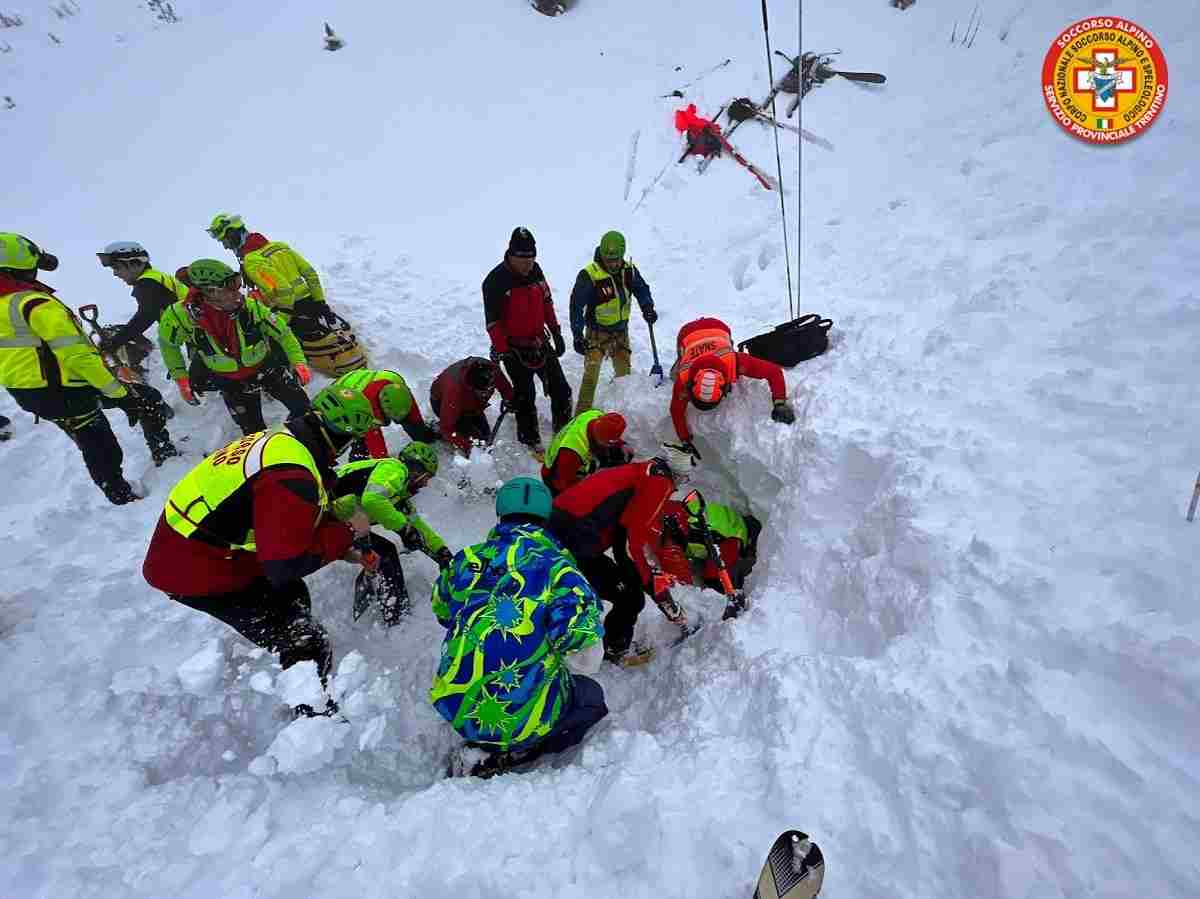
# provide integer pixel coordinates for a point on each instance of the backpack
(792, 342)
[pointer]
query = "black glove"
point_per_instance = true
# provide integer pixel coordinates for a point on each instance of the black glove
(580, 345)
(650, 316)
(411, 537)
(735, 605)
(560, 345)
(496, 356)
(783, 412)
(443, 557)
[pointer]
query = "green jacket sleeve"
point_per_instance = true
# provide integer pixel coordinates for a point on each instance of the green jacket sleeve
(278, 328)
(309, 274)
(170, 343)
(380, 510)
(433, 542)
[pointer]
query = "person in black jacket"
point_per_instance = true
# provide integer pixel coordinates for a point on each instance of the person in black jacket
(153, 290)
(518, 312)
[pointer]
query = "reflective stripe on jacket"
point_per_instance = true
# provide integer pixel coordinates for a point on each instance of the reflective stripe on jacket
(283, 275)
(42, 344)
(215, 480)
(256, 326)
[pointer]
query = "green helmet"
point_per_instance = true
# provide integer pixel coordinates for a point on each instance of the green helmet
(18, 253)
(209, 273)
(345, 410)
(223, 222)
(524, 496)
(612, 245)
(421, 455)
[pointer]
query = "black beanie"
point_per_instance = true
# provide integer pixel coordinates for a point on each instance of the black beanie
(522, 244)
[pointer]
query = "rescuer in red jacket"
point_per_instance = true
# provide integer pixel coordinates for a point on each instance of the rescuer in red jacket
(519, 313)
(705, 370)
(615, 509)
(459, 397)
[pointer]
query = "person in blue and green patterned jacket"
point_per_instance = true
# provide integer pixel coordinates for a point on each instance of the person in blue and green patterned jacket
(514, 607)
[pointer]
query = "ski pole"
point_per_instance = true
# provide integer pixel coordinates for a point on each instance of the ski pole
(504, 410)
(1195, 498)
(656, 368)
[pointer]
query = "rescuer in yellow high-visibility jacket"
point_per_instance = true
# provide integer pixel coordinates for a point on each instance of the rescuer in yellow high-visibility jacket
(52, 370)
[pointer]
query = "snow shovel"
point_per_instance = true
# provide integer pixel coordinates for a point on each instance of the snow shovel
(656, 368)
(125, 372)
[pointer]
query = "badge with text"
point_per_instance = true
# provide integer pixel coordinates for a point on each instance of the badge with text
(1105, 79)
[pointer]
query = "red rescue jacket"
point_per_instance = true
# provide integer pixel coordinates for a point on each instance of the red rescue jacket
(282, 504)
(707, 343)
(453, 397)
(517, 308)
(614, 504)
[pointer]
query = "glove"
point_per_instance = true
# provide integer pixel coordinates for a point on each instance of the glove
(443, 557)
(560, 345)
(783, 412)
(496, 355)
(185, 390)
(411, 537)
(650, 316)
(736, 604)
(302, 373)
(580, 345)
(690, 448)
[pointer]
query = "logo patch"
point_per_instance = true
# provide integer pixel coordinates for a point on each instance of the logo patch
(1104, 79)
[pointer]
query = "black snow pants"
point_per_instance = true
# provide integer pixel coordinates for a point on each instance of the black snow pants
(278, 619)
(244, 398)
(555, 384)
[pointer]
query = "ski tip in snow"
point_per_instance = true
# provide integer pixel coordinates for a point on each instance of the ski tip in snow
(794, 869)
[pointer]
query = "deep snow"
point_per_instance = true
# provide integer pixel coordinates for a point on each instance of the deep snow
(971, 668)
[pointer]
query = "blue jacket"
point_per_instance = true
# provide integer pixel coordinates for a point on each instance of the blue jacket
(513, 607)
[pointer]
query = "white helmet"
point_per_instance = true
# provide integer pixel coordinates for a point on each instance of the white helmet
(123, 250)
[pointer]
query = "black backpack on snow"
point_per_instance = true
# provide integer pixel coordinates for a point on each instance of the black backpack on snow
(792, 342)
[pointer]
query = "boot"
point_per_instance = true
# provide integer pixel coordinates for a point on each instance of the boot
(119, 492)
(502, 762)
(160, 452)
(631, 656)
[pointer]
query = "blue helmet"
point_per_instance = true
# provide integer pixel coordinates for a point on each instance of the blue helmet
(524, 496)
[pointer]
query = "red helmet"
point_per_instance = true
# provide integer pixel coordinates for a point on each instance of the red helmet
(708, 388)
(607, 429)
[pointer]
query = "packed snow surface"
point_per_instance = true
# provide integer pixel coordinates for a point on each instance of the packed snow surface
(972, 664)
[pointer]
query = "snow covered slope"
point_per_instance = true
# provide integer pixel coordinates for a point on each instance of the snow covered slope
(971, 668)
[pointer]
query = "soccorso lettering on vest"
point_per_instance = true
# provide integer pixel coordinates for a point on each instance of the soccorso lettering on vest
(233, 455)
